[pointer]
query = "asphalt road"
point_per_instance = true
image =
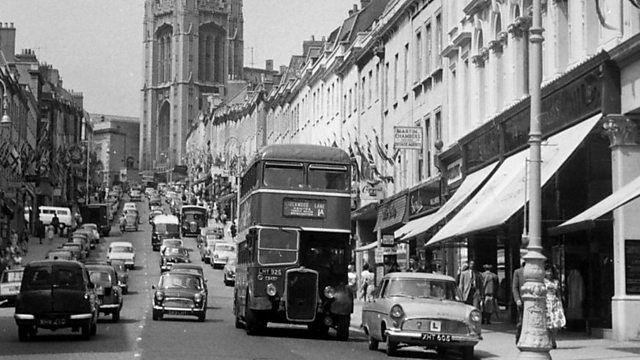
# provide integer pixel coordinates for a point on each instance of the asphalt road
(137, 336)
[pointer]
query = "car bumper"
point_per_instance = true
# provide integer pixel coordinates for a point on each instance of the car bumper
(56, 321)
(220, 261)
(169, 310)
(109, 308)
(418, 339)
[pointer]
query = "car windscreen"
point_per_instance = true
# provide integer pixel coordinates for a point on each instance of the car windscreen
(284, 175)
(59, 255)
(102, 278)
(328, 177)
(122, 249)
(46, 277)
(189, 216)
(277, 246)
(12, 276)
(175, 251)
(211, 242)
(175, 281)
(163, 228)
(422, 288)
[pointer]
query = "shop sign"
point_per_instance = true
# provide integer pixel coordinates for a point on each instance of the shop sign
(424, 199)
(381, 252)
(407, 137)
(306, 208)
(632, 266)
(371, 193)
(388, 240)
(454, 171)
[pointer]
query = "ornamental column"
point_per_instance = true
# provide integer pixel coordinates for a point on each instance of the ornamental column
(625, 167)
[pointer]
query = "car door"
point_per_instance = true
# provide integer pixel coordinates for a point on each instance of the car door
(378, 310)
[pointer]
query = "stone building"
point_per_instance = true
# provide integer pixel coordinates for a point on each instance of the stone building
(191, 48)
(116, 143)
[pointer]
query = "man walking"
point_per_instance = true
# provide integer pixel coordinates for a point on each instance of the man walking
(490, 289)
(55, 222)
(471, 286)
(516, 286)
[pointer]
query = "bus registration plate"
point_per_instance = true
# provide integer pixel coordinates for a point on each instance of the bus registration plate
(309, 208)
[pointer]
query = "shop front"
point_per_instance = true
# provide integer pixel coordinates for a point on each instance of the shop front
(392, 215)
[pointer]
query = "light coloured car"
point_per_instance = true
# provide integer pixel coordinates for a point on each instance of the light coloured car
(10, 280)
(173, 243)
(222, 252)
(135, 195)
(124, 251)
(93, 228)
(64, 216)
(206, 250)
(420, 309)
(229, 272)
(129, 206)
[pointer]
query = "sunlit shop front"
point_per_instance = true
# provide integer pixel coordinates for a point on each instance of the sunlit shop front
(483, 217)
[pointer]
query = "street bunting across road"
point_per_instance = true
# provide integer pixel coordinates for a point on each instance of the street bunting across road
(407, 137)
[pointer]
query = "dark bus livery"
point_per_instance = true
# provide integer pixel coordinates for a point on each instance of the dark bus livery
(192, 219)
(293, 240)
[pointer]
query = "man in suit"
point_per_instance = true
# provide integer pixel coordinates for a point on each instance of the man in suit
(516, 287)
(471, 286)
(490, 289)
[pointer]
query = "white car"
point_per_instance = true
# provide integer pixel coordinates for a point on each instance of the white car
(129, 206)
(123, 251)
(222, 252)
(172, 242)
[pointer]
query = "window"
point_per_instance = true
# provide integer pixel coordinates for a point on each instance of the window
(363, 100)
(249, 180)
(378, 81)
(405, 76)
(395, 77)
(418, 52)
(369, 87)
(427, 49)
(327, 177)
(284, 175)
(385, 86)
(438, 40)
(427, 145)
(277, 246)
(438, 126)
(422, 288)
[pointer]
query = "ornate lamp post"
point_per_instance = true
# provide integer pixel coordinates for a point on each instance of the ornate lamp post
(534, 341)
(237, 173)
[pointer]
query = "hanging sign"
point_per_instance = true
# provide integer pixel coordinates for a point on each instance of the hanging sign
(407, 137)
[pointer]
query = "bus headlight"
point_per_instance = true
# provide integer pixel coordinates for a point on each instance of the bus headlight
(271, 290)
(329, 292)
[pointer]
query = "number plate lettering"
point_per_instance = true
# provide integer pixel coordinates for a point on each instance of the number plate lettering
(436, 337)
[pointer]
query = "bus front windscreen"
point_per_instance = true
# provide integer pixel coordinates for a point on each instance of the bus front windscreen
(277, 246)
(284, 175)
(326, 177)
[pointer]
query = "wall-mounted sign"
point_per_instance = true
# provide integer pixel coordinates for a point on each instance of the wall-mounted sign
(454, 171)
(371, 193)
(632, 266)
(308, 208)
(407, 137)
(387, 240)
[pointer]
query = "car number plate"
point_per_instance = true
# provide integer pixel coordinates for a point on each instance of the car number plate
(52, 322)
(436, 337)
(176, 312)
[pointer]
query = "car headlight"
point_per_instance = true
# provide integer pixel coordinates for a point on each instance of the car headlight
(159, 296)
(329, 292)
(475, 316)
(271, 290)
(396, 312)
(197, 298)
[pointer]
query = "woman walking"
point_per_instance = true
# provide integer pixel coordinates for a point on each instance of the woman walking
(555, 313)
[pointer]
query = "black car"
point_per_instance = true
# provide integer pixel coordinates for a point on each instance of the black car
(123, 275)
(172, 256)
(180, 294)
(107, 290)
(56, 294)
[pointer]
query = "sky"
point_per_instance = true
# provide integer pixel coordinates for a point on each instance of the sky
(97, 44)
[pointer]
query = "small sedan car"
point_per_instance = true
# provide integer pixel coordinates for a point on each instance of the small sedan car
(188, 268)
(10, 280)
(123, 275)
(171, 256)
(129, 221)
(222, 252)
(206, 250)
(420, 309)
(180, 293)
(123, 251)
(59, 255)
(229, 272)
(109, 294)
(75, 249)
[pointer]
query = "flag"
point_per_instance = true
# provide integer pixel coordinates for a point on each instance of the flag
(355, 168)
(365, 167)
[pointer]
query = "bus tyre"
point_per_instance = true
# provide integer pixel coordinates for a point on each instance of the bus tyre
(319, 329)
(23, 332)
(252, 323)
(342, 327)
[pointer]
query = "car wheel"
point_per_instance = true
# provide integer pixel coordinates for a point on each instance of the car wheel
(441, 351)
(156, 315)
(319, 329)
(373, 343)
(125, 290)
(342, 327)
(86, 330)
(23, 332)
(94, 328)
(392, 347)
(467, 352)
(115, 316)
(202, 317)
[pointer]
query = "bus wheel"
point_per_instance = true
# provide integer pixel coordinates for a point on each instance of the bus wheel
(342, 327)
(238, 323)
(253, 325)
(319, 329)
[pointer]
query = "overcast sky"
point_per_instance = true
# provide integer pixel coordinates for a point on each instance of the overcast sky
(97, 44)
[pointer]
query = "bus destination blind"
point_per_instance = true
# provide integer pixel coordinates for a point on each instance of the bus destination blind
(307, 208)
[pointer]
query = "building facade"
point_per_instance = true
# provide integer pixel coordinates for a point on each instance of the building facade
(116, 144)
(191, 48)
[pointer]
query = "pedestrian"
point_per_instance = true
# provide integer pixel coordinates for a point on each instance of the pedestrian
(40, 231)
(24, 242)
(50, 232)
(352, 279)
(555, 313)
(490, 289)
(366, 277)
(471, 286)
(463, 267)
(516, 286)
(55, 221)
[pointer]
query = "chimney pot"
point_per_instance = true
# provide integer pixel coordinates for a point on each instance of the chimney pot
(12, 25)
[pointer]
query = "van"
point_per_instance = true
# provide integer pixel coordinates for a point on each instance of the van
(64, 216)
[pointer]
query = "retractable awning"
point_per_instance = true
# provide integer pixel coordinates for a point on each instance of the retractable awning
(468, 186)
(625, 194)
(367, 247)
(504, 193)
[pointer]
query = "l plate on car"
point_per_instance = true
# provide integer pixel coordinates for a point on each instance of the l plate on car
(436, 337)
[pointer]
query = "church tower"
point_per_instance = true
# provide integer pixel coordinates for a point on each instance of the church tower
(191, 48)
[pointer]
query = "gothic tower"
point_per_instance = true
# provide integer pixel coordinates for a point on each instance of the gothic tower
(191, 48)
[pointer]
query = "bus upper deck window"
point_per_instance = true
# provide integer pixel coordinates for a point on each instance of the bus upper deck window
(284, 175)
(328, 177)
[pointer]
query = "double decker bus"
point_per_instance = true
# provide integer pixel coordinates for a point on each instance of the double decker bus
(293, 240)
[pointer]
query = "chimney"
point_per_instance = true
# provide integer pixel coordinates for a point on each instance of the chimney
(283, 69)
(269, 65)
(8, 41)
(354, 10)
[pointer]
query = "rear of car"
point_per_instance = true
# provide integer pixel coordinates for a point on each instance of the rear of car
(164, 227)
(171, 256)
(55, 295)
(222, 252)
(107, 290)
(229, 272)
(10, 280)
(122, 251)
(135, 195)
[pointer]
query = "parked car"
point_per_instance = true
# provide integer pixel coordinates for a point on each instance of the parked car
(135, 195)
(129, 220)
(171, 243)
(81, 239)
(222, 251)
(59, 255)
(209, 232)
(109, 293)
(94, 229)
(172, 255)
(420, 309)
(229, 272)
(164, 227)
(92, 240)
(10, 280)
(54, 295)
(123, 251)
(123, 275)
(64, 216)
(75, 249)
(206, 250)
(180, 294)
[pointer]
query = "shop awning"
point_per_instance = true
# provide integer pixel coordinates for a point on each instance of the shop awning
(625, 194)
(468, 186)
(367, 247)
(504, 193)
(392, 214)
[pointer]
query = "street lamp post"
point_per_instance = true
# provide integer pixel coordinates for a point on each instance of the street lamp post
(534, 341)
(86, 195)
(237, 175)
